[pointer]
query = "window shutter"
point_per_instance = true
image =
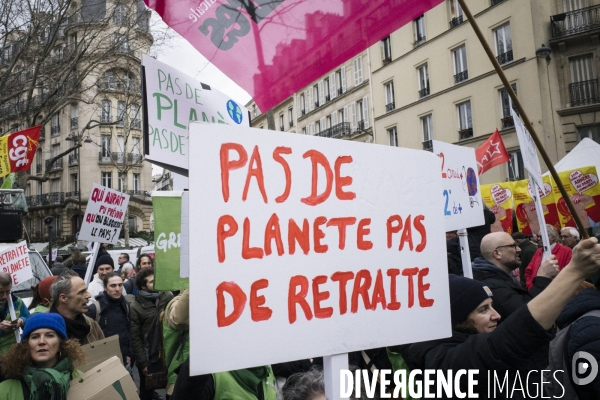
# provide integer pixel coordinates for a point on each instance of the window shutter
(358, 71)
(332, 89)
(366, 111)
(353, 112)
(323, 127)
(333, 119)
(311, 103)
(343, 75)
(321, 94)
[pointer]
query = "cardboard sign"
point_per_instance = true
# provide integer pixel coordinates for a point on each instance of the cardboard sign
(528, 150)
(463, 206)
(104, 215)
(99, 351)
(15, 261)
(167, 207)
(584, 190)
(173, 99)
(305, 244)
(499, 199)
(108, 381)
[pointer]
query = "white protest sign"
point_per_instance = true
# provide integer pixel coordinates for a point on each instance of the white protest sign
(54, 254)
(104, 215)
(305, 244)
(463, 207)
(528, 150)
(173, 99)
(184, 260)
(15, 261)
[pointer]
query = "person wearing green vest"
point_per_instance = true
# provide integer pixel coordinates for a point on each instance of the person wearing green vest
(7, 326)
(176, 338)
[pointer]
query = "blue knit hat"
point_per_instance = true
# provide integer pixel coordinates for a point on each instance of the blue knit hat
(46, 320)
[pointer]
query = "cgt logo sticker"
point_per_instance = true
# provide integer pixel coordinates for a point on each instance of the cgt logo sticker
(580, 367)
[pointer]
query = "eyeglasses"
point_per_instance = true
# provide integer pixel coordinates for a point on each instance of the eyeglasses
(514, 246)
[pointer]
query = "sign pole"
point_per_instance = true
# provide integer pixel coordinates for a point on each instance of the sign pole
(465, 254)
(517, 103)
(332, 365)
(540, 214)
(13, 316)
(90, 267)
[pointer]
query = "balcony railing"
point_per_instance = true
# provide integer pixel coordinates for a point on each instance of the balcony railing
(389, 106)
(316, 104)
(424, 92)
(73, 159)
(507, 122)
(360, 126)
(72, 194)
(505, 57)
(119, 85)
(105, 118)
(337, 131)
(74, 122)
(428, 145)
(291, 123)
(340, 91)
(119, 157)
(461, 76)
(420, 40)
(56, 165)
(465, 133)
(45, 199)
(328, 98)
(454, 22)
(55, 130)
(136, 193)
(583, 93)
(573, 22)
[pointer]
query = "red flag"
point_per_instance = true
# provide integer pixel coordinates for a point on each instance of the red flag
(17, 150)
(491, 153)
(272, 48)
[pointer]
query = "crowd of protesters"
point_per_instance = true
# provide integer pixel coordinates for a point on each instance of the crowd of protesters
(504, 319)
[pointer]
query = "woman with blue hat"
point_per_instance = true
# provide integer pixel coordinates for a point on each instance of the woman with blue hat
(42, 365)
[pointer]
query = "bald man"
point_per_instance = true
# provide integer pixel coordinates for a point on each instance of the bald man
(499, 257)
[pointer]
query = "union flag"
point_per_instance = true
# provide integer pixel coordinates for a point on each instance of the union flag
(491, 153)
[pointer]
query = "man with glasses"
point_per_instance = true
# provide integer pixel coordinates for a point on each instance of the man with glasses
(569, 236)
(562, 253)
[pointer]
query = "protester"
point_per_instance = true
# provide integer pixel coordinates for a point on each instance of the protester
(7, 325)
(308, 385)
(176, 335)
(70, 299)
(145, 309)
(562, 254)
(569, 236)
(478, 342)
(105, 265)
(57, 266)
(79, 264)
(41, 295)
(528, 249)
(123, 261)
(113, 313)
(143, 261)
(43, 364)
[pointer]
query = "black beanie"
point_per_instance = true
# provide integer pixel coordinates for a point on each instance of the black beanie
(465, 295)
(104, 259)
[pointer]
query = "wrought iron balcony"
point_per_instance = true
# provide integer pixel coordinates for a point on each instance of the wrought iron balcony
(389, 106)
(573, 22)
(461, 76)
(583, 93)
(420, 40)
(74, 122)
(465, 133)
(46, 199)
(454, 22)
(507, 122)
(72, 194)
(328, 98)
(119, 157)
(424, 92)
(360, 126)
(117, 84)
(505, 57)
(56, 165)
(428, 145)
(73, 159)
(55, 130)
(337, 131)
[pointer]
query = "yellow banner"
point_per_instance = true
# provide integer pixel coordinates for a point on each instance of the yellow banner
(584, 191)
(499, 199)
(4, 161)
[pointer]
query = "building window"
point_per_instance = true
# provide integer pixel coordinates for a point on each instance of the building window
(136, 182)
(393, 136)
(120, 113)
(419, 28)
(107, 179)
(459, 56)
(134, 111)
(456, 13)
(120, 16)
(121, 43)
(363, 114)
(389, 96)
(341, 80)
(254, 111)
(516, 171)
(332, 86)
(504, 52)
(584, 84)
(326, 90)
(291, 116)
(386, 50)
(427, 129)
(465, 123)
(105, 143)
(591, 132)
(281, 127)
(55, 128)
(316, 95)
(120, 183)
(302, 105)
(74, 183)
(423, 76)
(507, 105)
(105, 115)
(135, 147)
(74, 116)
(358, 71)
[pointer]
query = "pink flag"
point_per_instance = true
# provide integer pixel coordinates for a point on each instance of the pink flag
(272, 48)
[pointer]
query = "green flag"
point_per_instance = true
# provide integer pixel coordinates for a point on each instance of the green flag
(9, 181)
(167, 228)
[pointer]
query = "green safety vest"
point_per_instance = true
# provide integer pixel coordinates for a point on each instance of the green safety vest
(399, 364)
(7, 339)
(177, 349)
(227, 388)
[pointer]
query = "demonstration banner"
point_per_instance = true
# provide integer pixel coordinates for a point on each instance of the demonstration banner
(167, 208)
(548, 199)
(172, 100)
(15, 261)
(104, 215)
(312, 242)
(584, 190)
(499, 199)
(17, 150)
(525, 207)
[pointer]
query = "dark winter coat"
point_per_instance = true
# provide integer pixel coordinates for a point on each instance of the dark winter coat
(57, 268)
(143, 312)
(81, 270)
(114, 319)
(506, 349)
(528, 249)
(584, 335)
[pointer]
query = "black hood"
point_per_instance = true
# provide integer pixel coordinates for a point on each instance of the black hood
(585, 301)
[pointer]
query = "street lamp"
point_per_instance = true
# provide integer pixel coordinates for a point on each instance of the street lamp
(544, 52)
(75, 140)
